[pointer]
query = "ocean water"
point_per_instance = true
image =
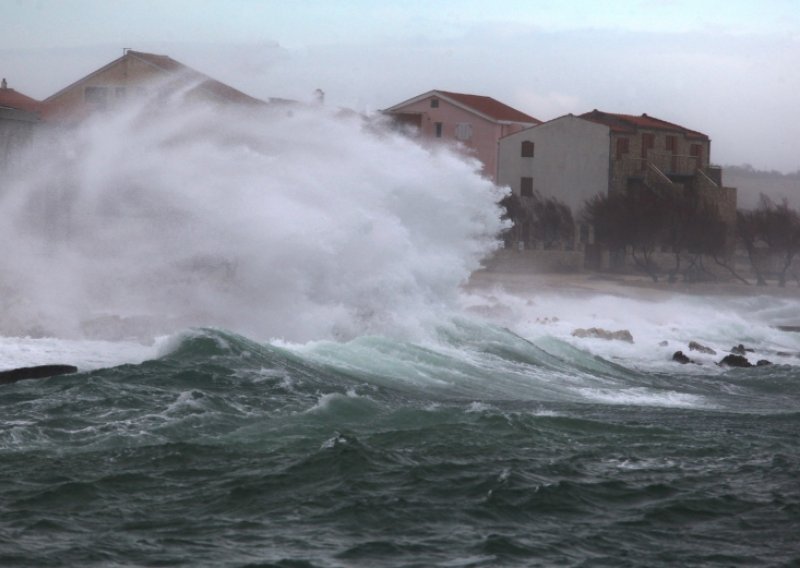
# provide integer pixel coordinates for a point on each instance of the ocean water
(278, 366)
(481, 447)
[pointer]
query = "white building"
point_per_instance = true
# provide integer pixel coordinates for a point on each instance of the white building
(567, 158)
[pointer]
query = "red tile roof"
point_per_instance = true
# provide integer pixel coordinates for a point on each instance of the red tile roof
(13, 99)
(490, 107)
(628, 123)
(484, 106)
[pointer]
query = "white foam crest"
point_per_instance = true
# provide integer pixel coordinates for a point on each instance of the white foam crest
(640, 396)
(324, 402)
(298, 225)
(86, 355)
(660, 323)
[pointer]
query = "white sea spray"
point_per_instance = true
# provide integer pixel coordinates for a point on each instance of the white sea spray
(293, 223)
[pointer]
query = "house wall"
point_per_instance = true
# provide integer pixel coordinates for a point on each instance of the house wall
(482, 143)
(127, 78)
(16, 132)
(570, 162)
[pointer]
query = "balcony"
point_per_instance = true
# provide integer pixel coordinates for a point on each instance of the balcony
(670, 164)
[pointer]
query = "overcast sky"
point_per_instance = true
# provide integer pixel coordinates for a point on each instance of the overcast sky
(728, 68)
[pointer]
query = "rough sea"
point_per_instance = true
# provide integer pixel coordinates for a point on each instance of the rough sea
(278, 367)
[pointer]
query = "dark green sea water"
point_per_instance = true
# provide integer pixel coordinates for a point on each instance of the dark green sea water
(485, 451)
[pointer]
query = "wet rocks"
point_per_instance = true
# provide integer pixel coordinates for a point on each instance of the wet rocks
(740, 350)
(695, 346)
(741, 361)
(599, 333)
(734, 360)
(681, 358)
(37, 372)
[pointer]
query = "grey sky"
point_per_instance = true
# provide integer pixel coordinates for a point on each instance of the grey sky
(729, 69)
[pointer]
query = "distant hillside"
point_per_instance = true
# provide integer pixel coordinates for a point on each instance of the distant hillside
(751, 183)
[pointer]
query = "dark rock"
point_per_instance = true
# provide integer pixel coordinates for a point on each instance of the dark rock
(621, 335)
(694, 346)
(735, 361)
(792, 328)
(679, 357)
(740, 350)
(38, 372)
(663, 343)
(763, 363)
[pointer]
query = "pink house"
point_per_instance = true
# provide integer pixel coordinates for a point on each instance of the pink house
(475, 122)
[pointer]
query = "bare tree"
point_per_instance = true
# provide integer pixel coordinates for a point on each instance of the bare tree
(536, 218)
(636, 218)
(781, 232)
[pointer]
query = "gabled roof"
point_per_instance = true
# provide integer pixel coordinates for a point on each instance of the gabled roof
(169, 66)
(486, 107)
(630, 124)
(12, 99)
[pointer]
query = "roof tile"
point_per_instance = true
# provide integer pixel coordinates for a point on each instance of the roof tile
(13, 99)
(490, 107)
(628, 123)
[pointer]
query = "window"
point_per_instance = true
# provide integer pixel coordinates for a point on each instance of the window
(463, 131)
(648, 143)
(672, 144)
(438, 126)
(434, 103)
(96, 96)
(623, 147)
(527, 149)
(696, 151)
(526, 186)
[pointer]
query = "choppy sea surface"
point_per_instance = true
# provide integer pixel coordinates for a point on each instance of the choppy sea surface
(399, 419)
(493, 442)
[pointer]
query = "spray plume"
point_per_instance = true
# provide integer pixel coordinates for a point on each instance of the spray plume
(298, 224)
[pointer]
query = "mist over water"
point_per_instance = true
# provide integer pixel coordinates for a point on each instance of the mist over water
(295, 222)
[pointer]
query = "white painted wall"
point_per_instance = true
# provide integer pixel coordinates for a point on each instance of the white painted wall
(571, 160)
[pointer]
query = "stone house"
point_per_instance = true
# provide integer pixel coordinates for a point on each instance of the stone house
(136, 74)
(476, 123)
(573, 158)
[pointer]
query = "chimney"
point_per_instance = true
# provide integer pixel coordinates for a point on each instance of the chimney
(4, 84)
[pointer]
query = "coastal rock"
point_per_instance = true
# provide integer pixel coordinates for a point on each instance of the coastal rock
(694, 346)
(681, 358)
(735, 361)
(620, 335)
(740, 350)
(763, 363)
(663, 343)
(38, 372)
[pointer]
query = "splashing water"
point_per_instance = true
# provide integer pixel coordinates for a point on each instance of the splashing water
(300, 224)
